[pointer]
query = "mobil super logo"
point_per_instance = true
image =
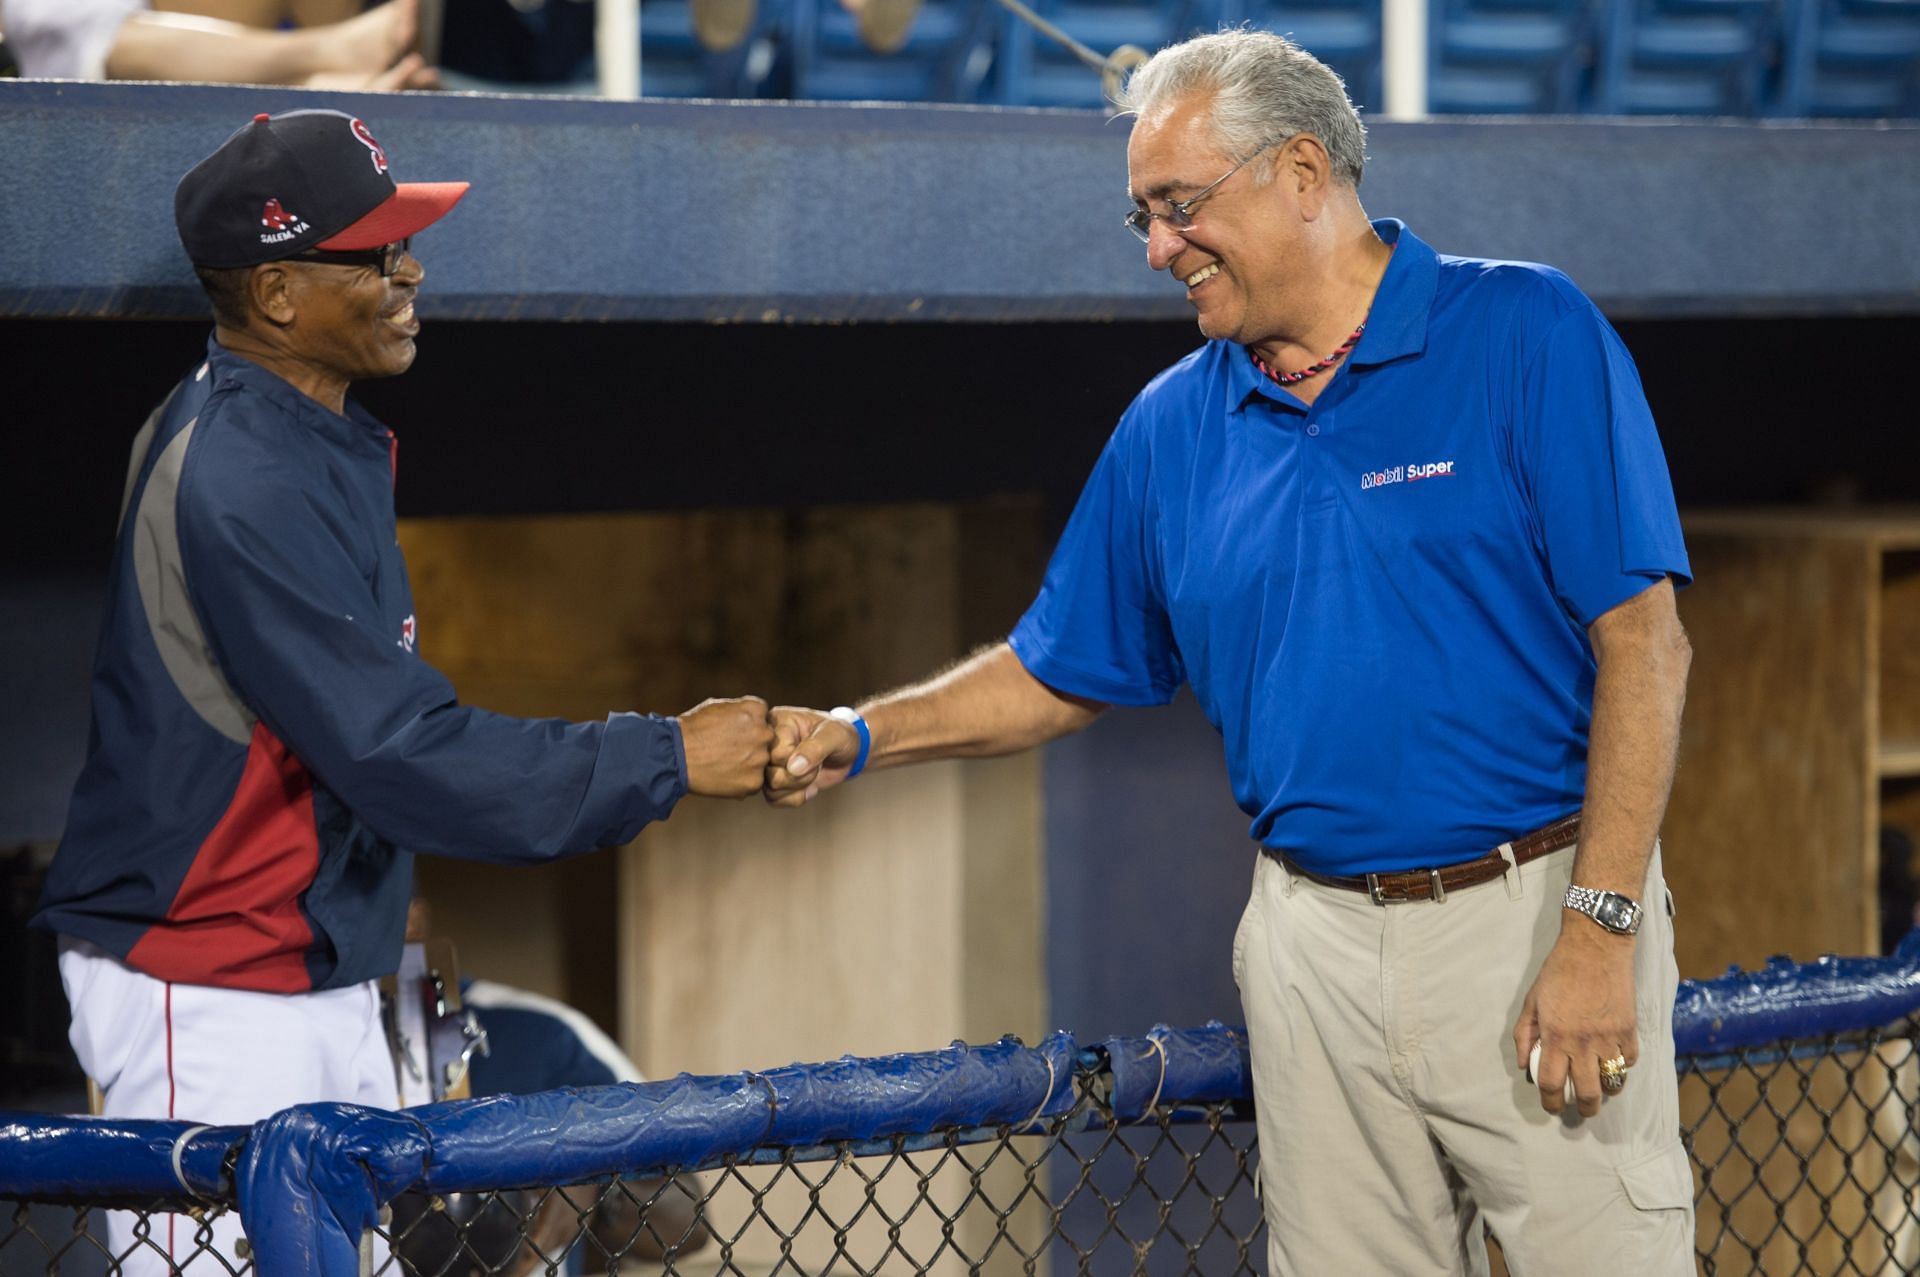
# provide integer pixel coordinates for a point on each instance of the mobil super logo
(1410, 472)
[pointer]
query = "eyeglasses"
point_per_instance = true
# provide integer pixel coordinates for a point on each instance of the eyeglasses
(387, 257)
(1179, 214)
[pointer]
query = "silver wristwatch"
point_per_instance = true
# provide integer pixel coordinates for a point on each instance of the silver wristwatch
(1615, 912)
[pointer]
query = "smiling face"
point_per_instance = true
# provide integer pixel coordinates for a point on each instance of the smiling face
(1247, 242)
(351, 323)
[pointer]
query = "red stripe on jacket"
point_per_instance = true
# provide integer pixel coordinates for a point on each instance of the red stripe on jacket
(265, 849)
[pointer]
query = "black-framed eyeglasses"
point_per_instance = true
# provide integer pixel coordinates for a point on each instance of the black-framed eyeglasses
(1179, 214)
(386, 258)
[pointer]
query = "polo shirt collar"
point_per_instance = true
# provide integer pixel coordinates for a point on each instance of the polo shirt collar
(1396, 326)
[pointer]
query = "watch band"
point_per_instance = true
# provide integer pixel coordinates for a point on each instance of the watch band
(1617, 913)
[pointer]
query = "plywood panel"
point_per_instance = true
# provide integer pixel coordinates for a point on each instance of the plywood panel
(758, 938)
(1900, 659)
(761, 938)
(1769, 835)
(896, 914)
(577, 616)
(661, 610)
(547, 929)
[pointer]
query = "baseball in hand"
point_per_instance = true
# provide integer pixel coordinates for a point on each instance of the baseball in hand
(1533, 1072)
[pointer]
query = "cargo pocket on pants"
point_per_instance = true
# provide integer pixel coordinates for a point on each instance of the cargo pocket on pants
(1660, 1187)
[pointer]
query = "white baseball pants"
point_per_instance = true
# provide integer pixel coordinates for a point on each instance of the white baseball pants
(218, 1056)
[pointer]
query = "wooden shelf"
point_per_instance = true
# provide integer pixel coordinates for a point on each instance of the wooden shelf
(1802, 733)
(1900, 757)
(1893, 527)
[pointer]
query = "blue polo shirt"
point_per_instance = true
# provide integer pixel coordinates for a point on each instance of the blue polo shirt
(1380, 600)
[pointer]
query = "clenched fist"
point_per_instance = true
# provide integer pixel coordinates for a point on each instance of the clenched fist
(811, 752)
(729, 744)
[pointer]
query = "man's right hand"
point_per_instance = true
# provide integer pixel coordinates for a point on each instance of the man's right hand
(811, 752)
(729, 746)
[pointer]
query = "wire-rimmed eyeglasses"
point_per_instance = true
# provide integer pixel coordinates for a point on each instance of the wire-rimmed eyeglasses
(386, 258)
(1179, 214)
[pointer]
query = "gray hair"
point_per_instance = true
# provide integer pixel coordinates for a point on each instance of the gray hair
(1265, 88)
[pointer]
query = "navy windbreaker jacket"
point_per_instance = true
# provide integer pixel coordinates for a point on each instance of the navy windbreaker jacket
(268, 750)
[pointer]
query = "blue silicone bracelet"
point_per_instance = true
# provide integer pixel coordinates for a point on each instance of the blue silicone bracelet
(851, 716)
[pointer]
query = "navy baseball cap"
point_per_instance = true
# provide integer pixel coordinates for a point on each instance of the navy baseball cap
(305, 179)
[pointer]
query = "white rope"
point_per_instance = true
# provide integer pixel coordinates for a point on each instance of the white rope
(1052, 1078)
(1113, 69)
(1154, 1103)
(179, 1149)
(1045, 28)
(773, 1104)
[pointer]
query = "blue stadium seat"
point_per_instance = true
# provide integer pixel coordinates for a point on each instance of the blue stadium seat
(1688, 57)
(674, 64)
(1852, 58)
(1685, 57)
(1344, 34)
(946, 58)
(1507, 56)
(1036, 70)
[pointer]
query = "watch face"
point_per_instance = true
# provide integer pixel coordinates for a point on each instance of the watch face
(1616, 913)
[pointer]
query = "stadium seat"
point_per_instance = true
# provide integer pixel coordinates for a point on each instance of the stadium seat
(1688, 57)
(1037, 70)
(1543, 57)
(673, 63)
(947, 57)
(1505, 56)
(1852, 58)
(1344, 34)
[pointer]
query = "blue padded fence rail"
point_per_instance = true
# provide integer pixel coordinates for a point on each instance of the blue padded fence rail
(320, 1174)
(1787, 1000)
(94, 1158)
(343, 1163)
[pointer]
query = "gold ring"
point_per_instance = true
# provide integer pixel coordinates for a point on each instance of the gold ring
(1613, 1074)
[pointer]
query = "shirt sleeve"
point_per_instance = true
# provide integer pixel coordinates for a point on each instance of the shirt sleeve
(1590, 454)
(64, 39)
(1099, 627)
(273, 574)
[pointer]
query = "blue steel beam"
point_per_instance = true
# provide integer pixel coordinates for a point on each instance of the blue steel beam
(781, 212)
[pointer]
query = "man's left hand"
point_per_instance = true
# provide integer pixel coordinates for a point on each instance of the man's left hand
(1581, 1011)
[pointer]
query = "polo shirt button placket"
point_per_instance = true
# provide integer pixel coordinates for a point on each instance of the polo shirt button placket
(1313, 430)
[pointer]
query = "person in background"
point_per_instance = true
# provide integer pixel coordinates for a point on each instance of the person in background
(535, 1043)
(131, 40)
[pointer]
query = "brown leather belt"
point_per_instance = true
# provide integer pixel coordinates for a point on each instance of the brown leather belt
(1434, 884)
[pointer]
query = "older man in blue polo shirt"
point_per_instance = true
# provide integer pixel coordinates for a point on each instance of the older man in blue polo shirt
(1404, 526)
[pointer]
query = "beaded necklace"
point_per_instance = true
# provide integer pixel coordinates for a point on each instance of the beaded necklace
(1293, 378)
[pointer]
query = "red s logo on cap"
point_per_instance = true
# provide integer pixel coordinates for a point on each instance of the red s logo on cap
(366, 138)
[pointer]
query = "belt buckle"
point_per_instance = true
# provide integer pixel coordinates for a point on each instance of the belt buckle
(1376, 892)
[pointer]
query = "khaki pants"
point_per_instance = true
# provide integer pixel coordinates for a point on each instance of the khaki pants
(1393, 1123)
